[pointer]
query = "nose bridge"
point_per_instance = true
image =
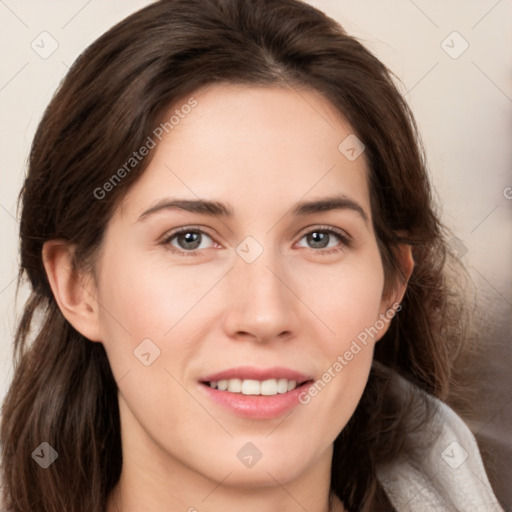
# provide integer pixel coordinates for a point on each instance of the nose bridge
(261, 303)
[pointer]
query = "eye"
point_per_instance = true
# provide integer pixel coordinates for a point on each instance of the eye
(326, 238)
(186, 241)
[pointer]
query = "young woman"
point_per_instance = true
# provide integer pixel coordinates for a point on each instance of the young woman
(239, 280)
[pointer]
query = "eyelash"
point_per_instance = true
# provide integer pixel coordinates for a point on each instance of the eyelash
(344, 238)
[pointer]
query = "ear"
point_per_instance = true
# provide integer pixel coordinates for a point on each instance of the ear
(392, 296)
(403, 255)
(74, 291)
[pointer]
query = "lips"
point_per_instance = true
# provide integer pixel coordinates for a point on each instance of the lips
(254, 392)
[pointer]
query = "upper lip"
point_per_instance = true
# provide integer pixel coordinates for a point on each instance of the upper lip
(251, 372)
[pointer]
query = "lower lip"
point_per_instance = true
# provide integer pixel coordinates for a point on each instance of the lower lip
(257, 406)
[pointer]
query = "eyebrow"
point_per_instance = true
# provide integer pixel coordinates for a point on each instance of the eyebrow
(326, 204)
(218, 209)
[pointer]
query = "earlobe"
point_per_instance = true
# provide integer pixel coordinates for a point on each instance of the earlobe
(74, 291)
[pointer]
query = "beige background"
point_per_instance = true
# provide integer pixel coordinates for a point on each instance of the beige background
(463, 105)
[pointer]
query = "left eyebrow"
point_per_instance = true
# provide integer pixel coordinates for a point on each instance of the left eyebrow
(325, 204)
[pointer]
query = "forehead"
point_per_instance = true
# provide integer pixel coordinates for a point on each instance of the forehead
(262, 147)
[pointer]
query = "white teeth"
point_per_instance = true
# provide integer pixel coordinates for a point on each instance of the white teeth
(234, 385)
(268, 387)
(251, 387)
(282, 386)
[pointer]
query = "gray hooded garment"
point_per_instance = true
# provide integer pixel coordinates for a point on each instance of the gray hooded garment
(440, 469)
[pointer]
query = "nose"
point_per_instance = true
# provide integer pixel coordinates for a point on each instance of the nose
(262, 303)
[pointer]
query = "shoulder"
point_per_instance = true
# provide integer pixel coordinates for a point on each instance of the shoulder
(442, 469)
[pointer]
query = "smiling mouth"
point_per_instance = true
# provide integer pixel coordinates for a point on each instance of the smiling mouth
(257, 393)
(269, 387)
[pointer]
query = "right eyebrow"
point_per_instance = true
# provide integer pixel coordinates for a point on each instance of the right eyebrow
(214, 208)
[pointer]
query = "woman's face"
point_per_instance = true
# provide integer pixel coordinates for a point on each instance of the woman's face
(275, 275)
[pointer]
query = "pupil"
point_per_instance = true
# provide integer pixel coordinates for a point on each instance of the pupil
(318, 239)
(192, 240)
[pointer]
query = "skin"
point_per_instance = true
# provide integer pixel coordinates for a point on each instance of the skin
(259, 151)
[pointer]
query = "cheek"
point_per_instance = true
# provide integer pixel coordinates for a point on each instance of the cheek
(349, 308)
(347, 298)
(148, 327)
(144, 298)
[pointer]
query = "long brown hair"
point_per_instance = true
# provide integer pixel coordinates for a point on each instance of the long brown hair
(113, 97)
